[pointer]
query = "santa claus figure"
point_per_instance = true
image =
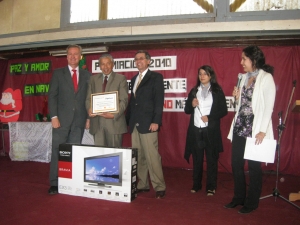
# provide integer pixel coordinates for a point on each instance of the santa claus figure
(10, 105)
(44, 116)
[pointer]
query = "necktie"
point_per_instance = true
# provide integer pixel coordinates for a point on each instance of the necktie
(139, 81)
(74, 78)
(104, 84)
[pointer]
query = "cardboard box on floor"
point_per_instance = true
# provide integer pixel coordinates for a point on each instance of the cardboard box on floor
(97, 172)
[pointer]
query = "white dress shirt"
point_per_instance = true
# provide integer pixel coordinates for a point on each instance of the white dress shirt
(204, 107)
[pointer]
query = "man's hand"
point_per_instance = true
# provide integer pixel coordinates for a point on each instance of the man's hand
(90, 113)
(55, 122)
(153, 127)
(87, 124)
(107, 115)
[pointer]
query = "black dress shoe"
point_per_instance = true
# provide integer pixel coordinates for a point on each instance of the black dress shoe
(231, 205)
(160, 194)
(246, 210)
(53, 190)
(142, 190)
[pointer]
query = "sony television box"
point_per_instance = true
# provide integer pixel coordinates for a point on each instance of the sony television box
(97, 172)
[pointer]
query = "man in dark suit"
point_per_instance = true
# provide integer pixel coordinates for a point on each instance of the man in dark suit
(108, 128)
(66, 101)
(144, 116)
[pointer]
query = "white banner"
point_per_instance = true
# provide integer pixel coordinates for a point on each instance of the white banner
(230, 104)
(173, 85)
(128, 64)
(176, 104)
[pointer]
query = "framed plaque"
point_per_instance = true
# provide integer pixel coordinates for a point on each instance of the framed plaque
(105, 102)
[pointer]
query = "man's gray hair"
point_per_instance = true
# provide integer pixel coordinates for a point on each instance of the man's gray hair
(74, 46)
(107, 56)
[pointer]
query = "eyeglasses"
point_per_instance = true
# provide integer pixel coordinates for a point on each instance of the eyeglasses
(139, 59)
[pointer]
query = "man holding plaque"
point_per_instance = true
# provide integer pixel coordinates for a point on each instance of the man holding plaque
(66, 101)
(106, 102)
(144, 116)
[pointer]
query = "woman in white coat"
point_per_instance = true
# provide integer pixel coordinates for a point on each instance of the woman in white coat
(255, 99)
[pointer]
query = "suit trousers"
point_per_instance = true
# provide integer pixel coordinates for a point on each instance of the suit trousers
(203, 145)
(251, 199)
(103, 138)
(149, 160)
(61, 135)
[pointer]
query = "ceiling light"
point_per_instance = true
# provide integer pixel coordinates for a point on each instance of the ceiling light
(84, 51)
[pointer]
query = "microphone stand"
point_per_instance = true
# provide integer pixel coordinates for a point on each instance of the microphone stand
(280, 129)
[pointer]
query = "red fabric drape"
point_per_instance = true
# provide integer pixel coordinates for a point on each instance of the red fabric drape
(226, 63)
(3, 68)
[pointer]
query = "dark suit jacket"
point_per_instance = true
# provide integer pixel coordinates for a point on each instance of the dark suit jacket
(63, 102)
(116, 82)
(146, 106)
(218, 110)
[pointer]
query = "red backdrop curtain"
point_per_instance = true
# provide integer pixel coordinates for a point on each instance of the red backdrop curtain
(3, 67)
(226, 63)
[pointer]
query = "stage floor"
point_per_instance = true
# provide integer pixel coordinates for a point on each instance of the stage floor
(24, 200)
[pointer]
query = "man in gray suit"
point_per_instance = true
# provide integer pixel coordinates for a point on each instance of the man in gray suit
(108, 128)
(66, 100)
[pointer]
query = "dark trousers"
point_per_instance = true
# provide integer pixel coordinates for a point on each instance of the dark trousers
(61, 135)
(203, 145)
(250, 199)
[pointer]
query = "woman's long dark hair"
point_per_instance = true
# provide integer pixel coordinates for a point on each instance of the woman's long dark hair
(215, 87)
(257, 57)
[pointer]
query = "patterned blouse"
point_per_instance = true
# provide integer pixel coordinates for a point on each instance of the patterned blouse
(244, 121)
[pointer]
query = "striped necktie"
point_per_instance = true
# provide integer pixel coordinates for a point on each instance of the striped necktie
(139, 81)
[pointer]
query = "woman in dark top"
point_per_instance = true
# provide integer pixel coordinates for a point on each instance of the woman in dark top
(207, 105)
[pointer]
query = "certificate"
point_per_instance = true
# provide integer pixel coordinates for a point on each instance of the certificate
(105, 102)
